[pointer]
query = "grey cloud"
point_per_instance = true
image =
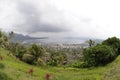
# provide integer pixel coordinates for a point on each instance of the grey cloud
(32, 20)
(86, 20)
(51, 28)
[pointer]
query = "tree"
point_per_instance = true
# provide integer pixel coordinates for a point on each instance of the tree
(3, 39)
(40, 62)
(21, 50)
(13, 47)
(90, 42)
(98, 55)
(37, 51)
(113, 42)
(57, 58)
(28, 58)
(11, 35)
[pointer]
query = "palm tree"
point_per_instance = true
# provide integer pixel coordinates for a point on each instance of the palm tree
(11, 34)
(90, 42)
(37, 51)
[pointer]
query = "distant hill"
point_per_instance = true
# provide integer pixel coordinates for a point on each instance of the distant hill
(45, 40)
(84, 39)
(21, 38)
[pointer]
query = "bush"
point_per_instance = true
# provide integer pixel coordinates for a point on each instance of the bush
(3, 76)
(76, 64)
(40, 62)
(98, 55)
(1, 66)
(37, 51)
(20, 53)
(28, 58)
(84, 65)
(53, 63)
(114, 43)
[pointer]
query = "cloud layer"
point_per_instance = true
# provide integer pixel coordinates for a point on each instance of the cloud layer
(34, 19)
(29, 18)
(61, 18)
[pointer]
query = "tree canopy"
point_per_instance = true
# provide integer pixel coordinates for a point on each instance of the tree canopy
(113, 42)
(98, 55)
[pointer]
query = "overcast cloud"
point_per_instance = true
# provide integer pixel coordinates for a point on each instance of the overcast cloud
(61, 18)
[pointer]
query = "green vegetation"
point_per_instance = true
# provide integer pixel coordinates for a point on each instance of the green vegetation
(101, 54)
(113, 73)
(3, 76)
(90, 42)
(57, 59)
(34, 62)
(114, 43)
(36, 52)
(18, 70)
(28, 58)
(98, 55)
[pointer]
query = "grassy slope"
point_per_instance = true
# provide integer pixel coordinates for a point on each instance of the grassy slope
(19, 71)
(113, 73)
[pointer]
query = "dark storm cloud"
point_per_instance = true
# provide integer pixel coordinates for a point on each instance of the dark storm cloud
(51, 28)
(32, 20)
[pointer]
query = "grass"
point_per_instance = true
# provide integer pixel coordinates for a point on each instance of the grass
(18, 70)
(113, 73)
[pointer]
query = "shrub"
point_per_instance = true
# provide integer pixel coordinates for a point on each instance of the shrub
(114, 43)
(37, 51)
(28, 58)
(3, 76)
(98, 55)
(76, 64)
(1, 66)
(53, 63)
(20, 53)
(40, 62)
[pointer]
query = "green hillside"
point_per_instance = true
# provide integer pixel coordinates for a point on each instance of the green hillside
(113, 71)
(18, 70)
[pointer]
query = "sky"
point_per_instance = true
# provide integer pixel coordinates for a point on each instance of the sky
(61, 18)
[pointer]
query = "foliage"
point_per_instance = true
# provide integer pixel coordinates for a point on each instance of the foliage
(37, 51)
(28, 58)
(68, 55)
(21, 50)
(11, 35)
(98, 55)
(34, 54)
(90, 42)
(94, 56)
(76, 64)
(113, 73)
(17, 70)
(57, 58)
(3, 39)
(113, 42)
(2, 66)
(3, 76)
(13, 47)
(40, 62)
